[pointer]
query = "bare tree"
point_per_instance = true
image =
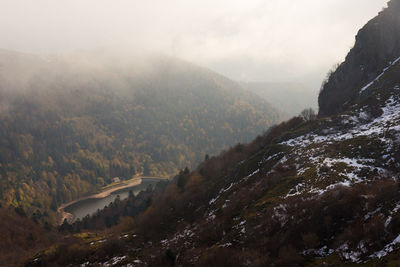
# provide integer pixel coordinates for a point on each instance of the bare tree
(308, 114)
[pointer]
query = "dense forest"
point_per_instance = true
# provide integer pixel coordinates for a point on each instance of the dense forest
(70, 123)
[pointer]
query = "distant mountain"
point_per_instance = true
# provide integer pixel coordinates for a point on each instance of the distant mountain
(290, 98)
(70, 123)
(318, 192)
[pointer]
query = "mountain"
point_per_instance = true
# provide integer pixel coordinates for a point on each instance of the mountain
(316, 192)
(289, 98)
(377, 45)
(70, 123)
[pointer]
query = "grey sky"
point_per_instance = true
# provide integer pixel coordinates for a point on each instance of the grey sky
(252, 40)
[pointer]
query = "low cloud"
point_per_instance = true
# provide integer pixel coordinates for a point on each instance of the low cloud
(254, 40)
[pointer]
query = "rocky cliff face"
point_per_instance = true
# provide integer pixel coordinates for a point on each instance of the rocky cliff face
(377, 46)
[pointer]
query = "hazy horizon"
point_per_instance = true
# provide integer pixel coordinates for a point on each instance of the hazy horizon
(254, 41)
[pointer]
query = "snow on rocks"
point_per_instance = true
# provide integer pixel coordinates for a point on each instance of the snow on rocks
(343, 250)
(308, 152)
(241, 227)
(321, 252)
(391, 213)
(391, 114)
(113, 261)
(135, 263)
(211, 216)
(252, 174)
(387, 249)
(297, 190)
(223, 190)
(353, 256)
(372, 213)
(186, 236)
(226, 245)
(274, 156)
(380, 75)
(280, 213)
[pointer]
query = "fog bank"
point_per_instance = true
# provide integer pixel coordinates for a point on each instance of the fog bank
(254, 40)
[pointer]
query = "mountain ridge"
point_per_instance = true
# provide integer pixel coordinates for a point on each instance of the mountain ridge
(376, 45)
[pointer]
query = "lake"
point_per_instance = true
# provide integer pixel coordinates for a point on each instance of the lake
(89, 206)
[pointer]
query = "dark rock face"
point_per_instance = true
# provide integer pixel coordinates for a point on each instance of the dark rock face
(377, 44)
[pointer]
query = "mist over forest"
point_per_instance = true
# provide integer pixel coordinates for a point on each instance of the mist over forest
(199, 133)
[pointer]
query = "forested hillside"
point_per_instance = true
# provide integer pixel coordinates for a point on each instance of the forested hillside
(70, 123)
(311, 191)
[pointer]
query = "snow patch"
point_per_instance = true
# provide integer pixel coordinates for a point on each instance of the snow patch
(380, 75)
(387, 249)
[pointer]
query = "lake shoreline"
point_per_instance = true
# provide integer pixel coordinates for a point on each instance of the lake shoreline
(131, 183)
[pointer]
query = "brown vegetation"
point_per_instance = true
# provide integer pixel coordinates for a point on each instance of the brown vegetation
(20, 237)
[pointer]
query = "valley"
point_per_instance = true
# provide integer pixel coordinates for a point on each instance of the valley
(124, 157)
(76, 121)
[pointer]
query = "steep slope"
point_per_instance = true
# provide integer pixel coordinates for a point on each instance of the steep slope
(307, 193)
(70, 123)
(377, 45)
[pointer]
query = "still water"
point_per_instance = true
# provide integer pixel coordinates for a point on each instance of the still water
(91, 205)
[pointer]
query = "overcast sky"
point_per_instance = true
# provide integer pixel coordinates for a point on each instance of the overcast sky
(251, 40)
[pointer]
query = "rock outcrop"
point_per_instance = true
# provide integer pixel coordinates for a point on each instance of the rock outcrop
(377, 45)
